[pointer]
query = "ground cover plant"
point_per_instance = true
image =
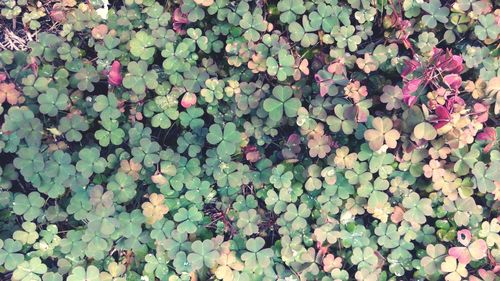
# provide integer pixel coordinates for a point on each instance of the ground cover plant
(249, 140)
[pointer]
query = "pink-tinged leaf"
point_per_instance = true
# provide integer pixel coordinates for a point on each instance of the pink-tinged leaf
(488, 134)
(472, 251)
(448, 62)
(323, 89)
(464, 237)
(322, 250)
(410, 100)
(452, 63)
(180, 17)
(361, 114)
(292, 147)
(443, 117)
(188, 100)
(457, 64)
(115, 76)
(454, 81)
(179, 20)
(337, 68)
(442, 112)
(493, 262)
(293, 140)
(461, 254)
(478, 249)
(159, 179)
(3, 76)
(397, 215)
(318, 78)
(34, 66)
(9, 94)
(304, 66)
(409, 88)
(251, 153)
(99, 31)
(453, 102)
(324, 85)
(486, 275)
(57, 15)
(481, 111)
(138, 116)
(410, 66)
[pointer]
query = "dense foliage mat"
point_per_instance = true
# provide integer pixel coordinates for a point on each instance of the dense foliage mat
(249, 140)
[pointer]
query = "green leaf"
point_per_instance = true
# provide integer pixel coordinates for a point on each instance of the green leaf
(425, 131)
(142, 45)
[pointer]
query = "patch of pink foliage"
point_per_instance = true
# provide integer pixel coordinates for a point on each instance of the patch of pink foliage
(475, 250)
(251, 153)
(179, 20)
(489, 134)
(442, 66)
(188, 100)
(442, 74)
(115, 76)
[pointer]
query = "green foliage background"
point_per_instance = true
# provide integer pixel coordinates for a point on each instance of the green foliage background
(249, 140)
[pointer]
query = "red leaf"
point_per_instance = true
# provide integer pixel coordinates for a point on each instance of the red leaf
(9, 93)
(482, 112)
(188, 100)
(443, 117)
(410, 66)
(251, 153)
(408, 89)
(179, 19)
(115, 76)
(454, 81)
(489, 135)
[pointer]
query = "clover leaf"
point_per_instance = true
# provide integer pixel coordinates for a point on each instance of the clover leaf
(112, 133)
(364, 258)
(299, 34)
(204, 254)
(107, 106)
(188, 219)
(345, 37)
(52, 102)
(123, 186)
(257, 255)
(382, 133)
(436, 13)
(90, 162)
(72, 126)
(28, 235)
(248, 221)
(30, 270)
(86, 77)
(30, 207)
(253, 23)
(79, 273)
(297, 216)
(281, 68)
(290, 9)
(281, 101)
(487, 27)
(146, 153)
(227, 141)
(138, 78)
(142, 45)
(418, 208)
(9, 256)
